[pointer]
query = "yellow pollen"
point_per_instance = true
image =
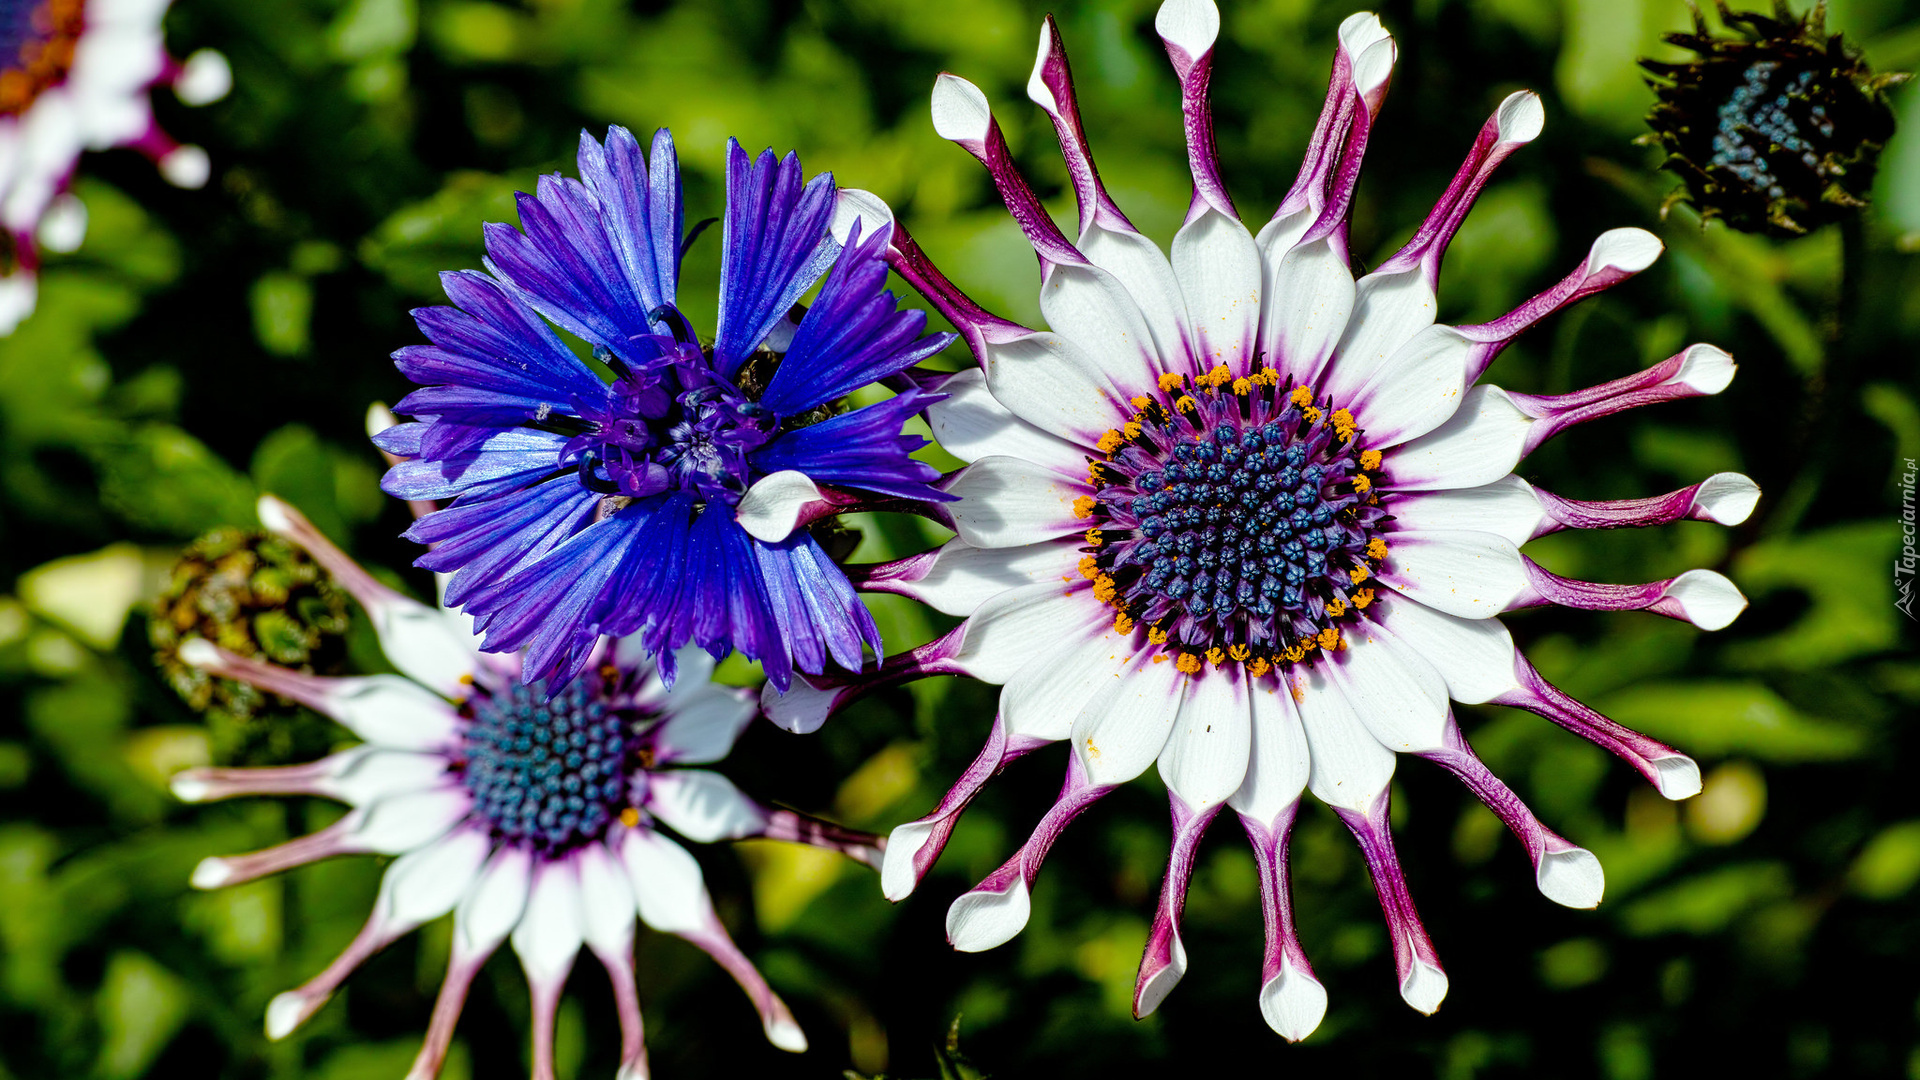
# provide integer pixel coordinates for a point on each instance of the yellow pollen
(1376, 548)
(1093, 537)
(1266, 377)
(1219, 376)
(1188, 663)
(1170, 381)
(1360, 573)
(1330, 638)
(1361, 484)
(630, 817)
(466, 680)
(1089, 567)
(1156, 635)
(1343, 423)
(1161, 659)
(1336, 607)
(1301, 396)
(1363, 598)
(1083, 506)
(1312, 414)
(1216, 656)
(1369, 459)
(1104, 588)
(1140, 402)
(1185, 404)
(1239, 652)
(1122, 624)
(1294, 654)
(1258, 667)
(1111, 441)
(1131, 428)
(1243, 387)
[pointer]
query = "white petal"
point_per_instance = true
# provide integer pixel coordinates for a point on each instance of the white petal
(702, 806)
(771, 507)
(1415, 391)
(1293, 1002)
(960, 111)
(703, 724)
(427, 883)
(551, 933)
(1022, 626)
(1470, 574)
(390, 711)
(854, 205)
(1220, 274)
(367, 773)
(1277, 770)
(1479, 443)
(959, 577)
(1191, 24)
(1048, 694)
(1706, 599)
(1571, 878)
(1349, 766)
(1705, 369)
(64, 226)
(1092, 309)
(1394, 692)
(1122, 730)
(1057, 386)
(1205, 758)
(1309, 300)
(667, 884)
(1506, 508)
(1474, 656)
(1388, 310)
(1139, 265)
(982, 920)
(1726, 498)
(492, 908)
(404, 822)
(1424, 987)
(1007, 502)
(204, 78)
(187, 167)
(972, 424)
(606, 900)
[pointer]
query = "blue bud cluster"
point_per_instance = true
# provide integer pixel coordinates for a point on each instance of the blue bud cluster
(1755, 118)
(1237, 519)
(551, 774)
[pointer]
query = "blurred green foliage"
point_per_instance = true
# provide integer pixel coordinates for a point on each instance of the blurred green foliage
(202, 347)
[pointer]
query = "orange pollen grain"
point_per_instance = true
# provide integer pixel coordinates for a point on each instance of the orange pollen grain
(1185, 404)
(1140, 402)
(1219, 376)
(1093, 537)
(1361, 483)
(630, 817)
(1363, 598)
(1156, 635)
(1216, 656)
(1239, 652)
(1336, 607)
(1243, 387)
(1258, 667)
(1170, 381)
(1330, 638)
(1188, 663)
(1301, 396)
(1111, 441)
(1376, 548)
(1312, 414)
(1089, 567)
(1369, 459)
(1122, 623)
(1104, 589)
(1131, 429)
(1083, 506)
(1360, 573)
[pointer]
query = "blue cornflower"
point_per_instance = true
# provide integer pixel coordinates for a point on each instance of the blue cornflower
(603, 498)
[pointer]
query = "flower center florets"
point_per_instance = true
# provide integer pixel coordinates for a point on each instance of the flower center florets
(1234, 521)
(37, 40)
(552, 774)
(1766, 110)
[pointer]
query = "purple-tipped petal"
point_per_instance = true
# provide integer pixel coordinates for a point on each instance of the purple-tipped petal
(1702, 597)
(914, 847)
(1292, 999)
(995, 910)
(1164, 960)
(811, 700)
(1674, 774)
(1188, 29)
(1422, 982)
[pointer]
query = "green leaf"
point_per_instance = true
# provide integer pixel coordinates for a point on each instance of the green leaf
(141, 1006)
(1723, 718)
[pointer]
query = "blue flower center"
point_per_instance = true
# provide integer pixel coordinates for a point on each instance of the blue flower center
(552, 774)
(1769, 109)
(1234, 521)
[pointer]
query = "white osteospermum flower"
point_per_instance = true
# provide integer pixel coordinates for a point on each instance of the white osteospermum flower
(74, 76)
(1245, 517)
(531, 820)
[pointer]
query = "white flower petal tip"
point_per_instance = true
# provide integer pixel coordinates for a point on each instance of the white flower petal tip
(189, 786)
(379, 418)
(187, 167)
(205, 78)
(1154, 988)
(785, 1034)
(1676, 776)
(1424, 987)
(983, 919)
(212, 873)
(200, 653)
(1571, 878)
(1520, 118)
(1725, 498)
(960, 110)
(802, 709)
(1704, 598)
(1361, 31)
(770, 510)
(1628, 250)
(1705, 369)
(63, 227)
(289, 1010)
(897, 875)
(854, 205)
(275, 516)
(1190, 25)
(1293, 1003)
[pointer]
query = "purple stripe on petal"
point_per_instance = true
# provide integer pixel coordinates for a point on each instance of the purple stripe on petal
(1514, 124)
(815, 606)
(1702, 597)
(1673, 773)
(642, 222)
(995, 910)
(484, 541)
(1723, 498)
(1615, 256)
(1422, 982)
(1699, 370)
(1291, 997)
(1188, 29)
(914, 847)
(1165, 959)
(1051, 87)
(961, 116)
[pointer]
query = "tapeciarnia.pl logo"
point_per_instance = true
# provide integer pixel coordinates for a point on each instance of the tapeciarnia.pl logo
(1904, 566)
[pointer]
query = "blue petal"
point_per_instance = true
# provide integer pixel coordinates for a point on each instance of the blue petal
(774, 247)
(641, 208)
(862, 449)
(818, 613)
(851, 336)
(505, 461)
(487, 540)
(492, 341)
